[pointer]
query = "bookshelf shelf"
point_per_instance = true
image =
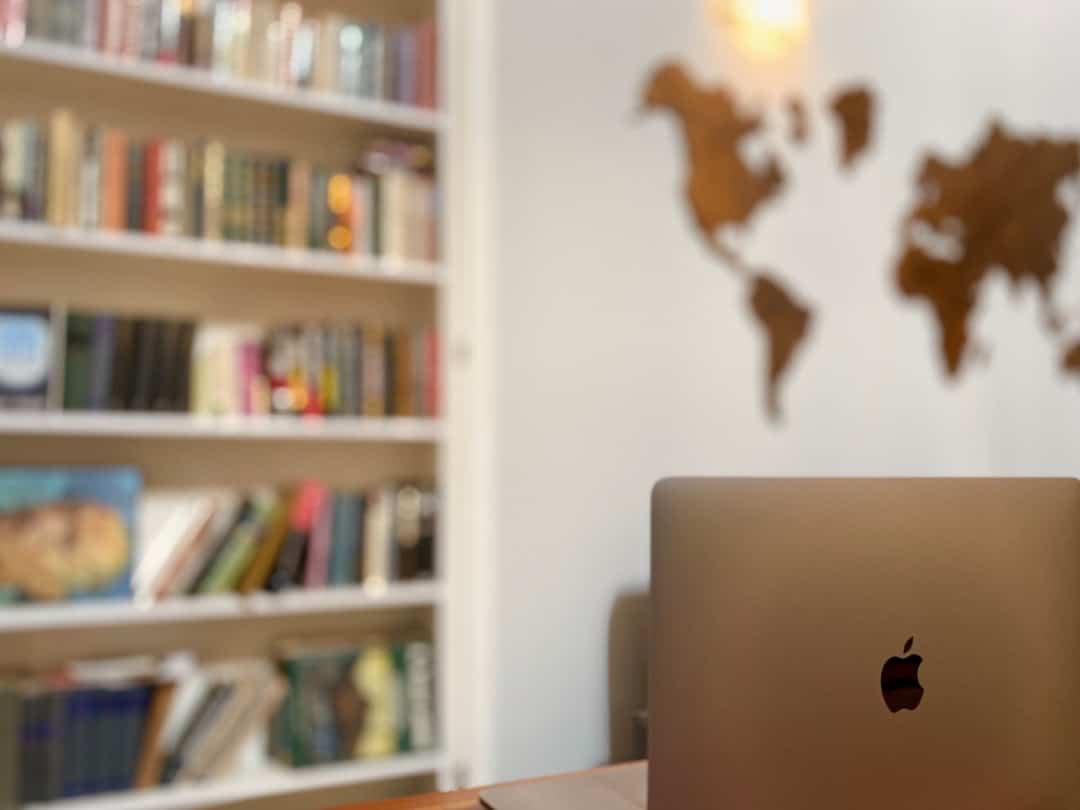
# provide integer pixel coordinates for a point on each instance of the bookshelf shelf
(183, 426)
(229, 254)
(384, 114)
(263, 784)
(270, 606)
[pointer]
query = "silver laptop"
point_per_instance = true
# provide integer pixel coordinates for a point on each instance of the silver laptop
(886, 644)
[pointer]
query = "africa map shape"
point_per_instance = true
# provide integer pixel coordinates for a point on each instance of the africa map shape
(995, 212)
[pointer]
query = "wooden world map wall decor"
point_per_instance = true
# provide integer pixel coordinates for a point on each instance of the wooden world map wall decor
(997, 211)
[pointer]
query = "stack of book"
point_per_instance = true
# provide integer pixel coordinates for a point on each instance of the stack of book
(267, 40)
(348, 701)
(68, 172)
(124, 364)
(222, 541)
(119, 724)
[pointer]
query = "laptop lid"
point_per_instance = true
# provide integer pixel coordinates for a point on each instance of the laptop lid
(865, 643)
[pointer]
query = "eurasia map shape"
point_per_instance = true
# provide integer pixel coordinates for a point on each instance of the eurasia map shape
(997, 211)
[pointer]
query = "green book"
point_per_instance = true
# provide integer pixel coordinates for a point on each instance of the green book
(339, 575)
(402, 716)
(80, 339)
(239, 549)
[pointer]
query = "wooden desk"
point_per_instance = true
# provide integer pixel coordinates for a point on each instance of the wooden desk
(458, 800)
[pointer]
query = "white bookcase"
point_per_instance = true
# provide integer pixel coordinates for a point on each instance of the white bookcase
(167, 276)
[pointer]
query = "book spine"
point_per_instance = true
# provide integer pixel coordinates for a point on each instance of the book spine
(214, 189)
(77, 743)
(420, 695)
(136, 156)
(53, 745)
(61, 161)
(372, 370)
(77, 362)
(318, 559)
(102, 350)
(90, 180)
(152, 171)
(169, 32)
(132, 29)
(165, 360)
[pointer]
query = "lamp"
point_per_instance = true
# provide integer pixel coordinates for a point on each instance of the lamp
(764, 27)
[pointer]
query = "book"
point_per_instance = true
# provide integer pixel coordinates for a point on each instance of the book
(348, 516)
(201, 546)
(79, 337)
(69, 530)
(378, 552)
(167, 519)
(102, 351)
(420, 695)
(25, 358)
(136, 185)
(373, 364)
(197, 726)
(147, 336)
(289, 568)
(317, 564)
(123, 363)
(269, 548)
(240, 547)
(414, 532)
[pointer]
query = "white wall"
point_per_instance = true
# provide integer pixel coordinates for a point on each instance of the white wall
(624, 353)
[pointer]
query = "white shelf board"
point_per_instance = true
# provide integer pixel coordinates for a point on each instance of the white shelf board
(185, 610)
(264, 783)
(191, 426)
(231, 254)
(374, 112)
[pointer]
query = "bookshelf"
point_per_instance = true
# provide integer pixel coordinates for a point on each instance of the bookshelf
(153, 275)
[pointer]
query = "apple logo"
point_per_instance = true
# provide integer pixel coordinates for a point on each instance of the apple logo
(900, 681)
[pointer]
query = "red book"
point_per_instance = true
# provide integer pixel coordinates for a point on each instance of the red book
(318, 556)
(152, 188)
(432, 383)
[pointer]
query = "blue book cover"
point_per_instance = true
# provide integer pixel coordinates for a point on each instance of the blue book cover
(66, 533)
(25, 358)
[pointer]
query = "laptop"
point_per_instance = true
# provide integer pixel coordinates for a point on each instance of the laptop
(894, 644)
(817, 644)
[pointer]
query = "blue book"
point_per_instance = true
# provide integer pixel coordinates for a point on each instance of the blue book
(136, 703)
(74, 527)
(102, 348)
(77, 743)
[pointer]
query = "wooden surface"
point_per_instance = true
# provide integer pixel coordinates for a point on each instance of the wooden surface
(457, 800)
